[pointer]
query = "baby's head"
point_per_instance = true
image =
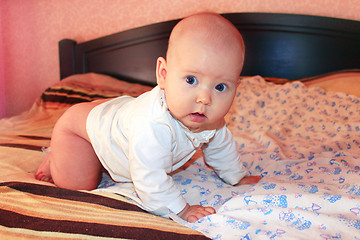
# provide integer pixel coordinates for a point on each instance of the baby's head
(201, 71)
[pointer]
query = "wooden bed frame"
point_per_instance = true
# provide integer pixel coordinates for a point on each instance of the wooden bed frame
(277, 45)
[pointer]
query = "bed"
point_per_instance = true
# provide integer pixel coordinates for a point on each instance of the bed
(296, 120)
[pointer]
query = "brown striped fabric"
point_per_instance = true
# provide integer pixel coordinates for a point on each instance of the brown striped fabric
(33, 211)
(75, 91)
(24, 146)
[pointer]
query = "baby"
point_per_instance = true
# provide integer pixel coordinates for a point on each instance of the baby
(142, 140)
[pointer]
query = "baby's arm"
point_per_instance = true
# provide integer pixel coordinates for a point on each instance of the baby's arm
(195, 212)
(223, 156)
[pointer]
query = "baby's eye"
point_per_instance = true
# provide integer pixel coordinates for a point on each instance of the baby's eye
(191, 80)
(221, 87)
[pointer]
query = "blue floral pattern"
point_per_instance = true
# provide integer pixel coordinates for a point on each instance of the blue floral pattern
(305, 143)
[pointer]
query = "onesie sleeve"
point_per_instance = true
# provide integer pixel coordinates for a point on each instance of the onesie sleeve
(221, 154)
(151, 161)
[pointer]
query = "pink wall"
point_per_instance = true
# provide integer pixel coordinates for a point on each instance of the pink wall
(2, 79)
(32, 29)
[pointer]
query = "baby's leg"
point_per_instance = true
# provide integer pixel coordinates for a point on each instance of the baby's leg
(72, 162)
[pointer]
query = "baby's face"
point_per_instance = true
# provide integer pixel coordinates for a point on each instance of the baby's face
(201, 82)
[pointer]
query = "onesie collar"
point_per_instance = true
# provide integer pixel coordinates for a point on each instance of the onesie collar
(198, 137)
(162, 99)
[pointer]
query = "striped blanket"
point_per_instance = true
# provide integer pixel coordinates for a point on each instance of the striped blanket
(33, 211)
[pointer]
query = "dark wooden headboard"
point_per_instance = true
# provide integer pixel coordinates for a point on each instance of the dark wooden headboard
(277, 45)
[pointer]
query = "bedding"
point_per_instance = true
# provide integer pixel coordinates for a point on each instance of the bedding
(303, 140)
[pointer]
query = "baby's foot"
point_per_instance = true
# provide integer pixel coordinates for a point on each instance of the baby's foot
(43, 177)
(43, 173)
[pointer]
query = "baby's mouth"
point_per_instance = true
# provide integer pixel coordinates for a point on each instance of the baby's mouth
(197, 117)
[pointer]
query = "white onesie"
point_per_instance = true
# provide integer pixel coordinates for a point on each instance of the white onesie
(137, 140)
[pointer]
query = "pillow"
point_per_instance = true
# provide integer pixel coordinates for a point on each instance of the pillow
(347, 81)
(87, 87)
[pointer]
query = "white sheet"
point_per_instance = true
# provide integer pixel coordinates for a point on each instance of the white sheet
(305, 142)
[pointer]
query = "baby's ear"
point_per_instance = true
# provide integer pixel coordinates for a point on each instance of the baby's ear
(161, 72)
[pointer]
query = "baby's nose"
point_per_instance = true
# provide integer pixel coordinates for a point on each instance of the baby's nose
(204, 97)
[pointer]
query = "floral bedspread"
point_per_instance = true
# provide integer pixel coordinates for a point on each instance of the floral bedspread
(305, 143)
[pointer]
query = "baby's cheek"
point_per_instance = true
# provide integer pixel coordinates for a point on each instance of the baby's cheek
(220, 111)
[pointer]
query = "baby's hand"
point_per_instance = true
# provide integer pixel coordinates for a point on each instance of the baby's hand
(249, 180)
(195, 212)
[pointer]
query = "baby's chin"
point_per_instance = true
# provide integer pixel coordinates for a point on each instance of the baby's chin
(202, 126)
